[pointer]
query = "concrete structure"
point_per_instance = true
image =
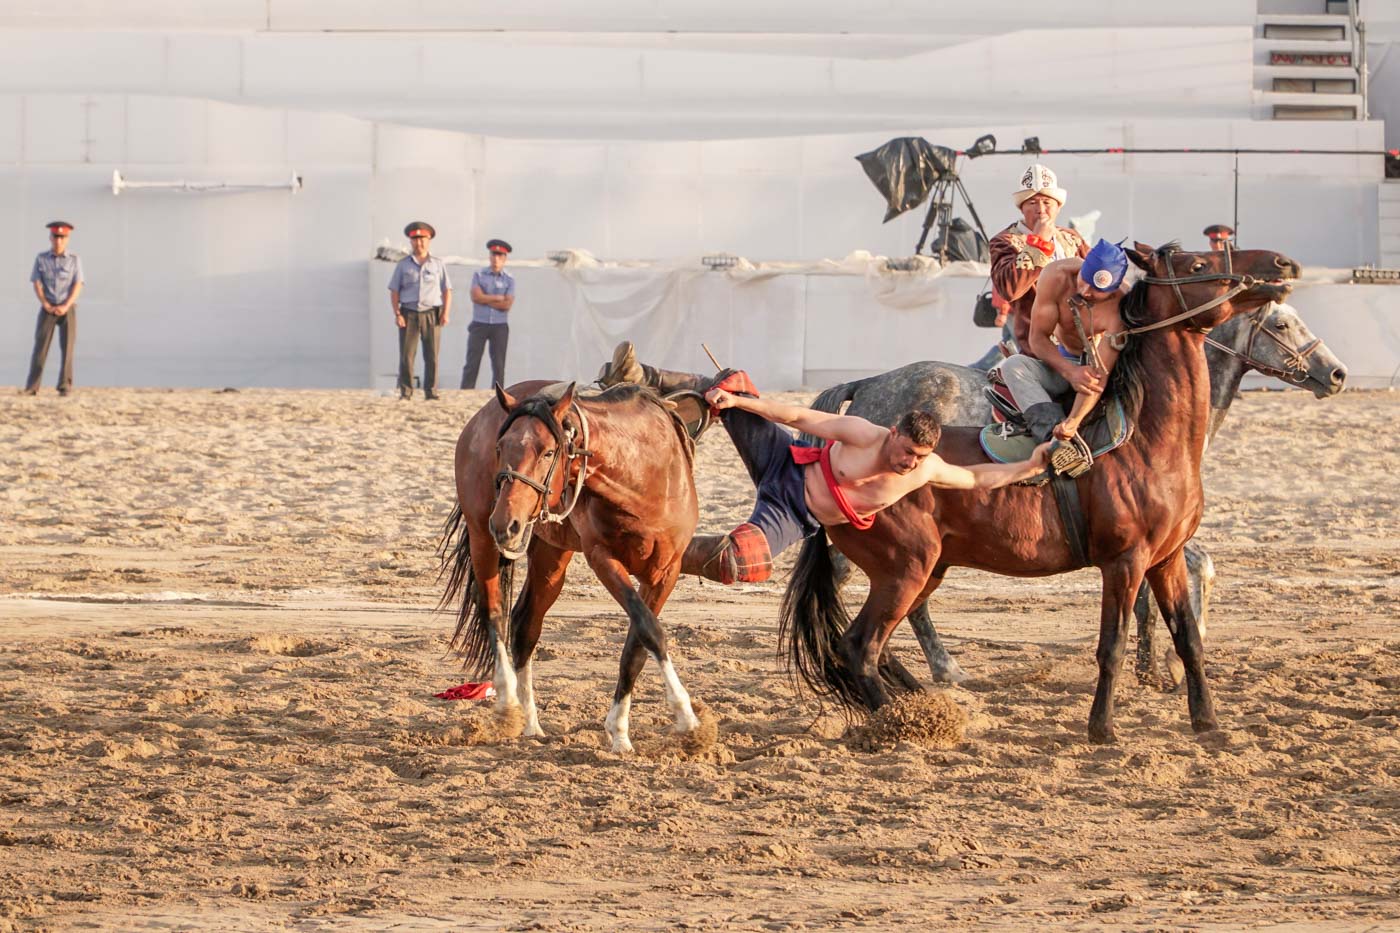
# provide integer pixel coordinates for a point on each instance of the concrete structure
(659, 130)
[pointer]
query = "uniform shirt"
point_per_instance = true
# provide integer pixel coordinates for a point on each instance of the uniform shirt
(58, 273)
(492, 283)
(420, 287)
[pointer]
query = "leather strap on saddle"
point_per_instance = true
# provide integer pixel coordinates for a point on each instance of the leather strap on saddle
(1072, 514)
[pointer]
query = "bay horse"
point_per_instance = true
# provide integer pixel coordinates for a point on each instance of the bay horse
(549, 474)
(1276, 342)
(1142, 502)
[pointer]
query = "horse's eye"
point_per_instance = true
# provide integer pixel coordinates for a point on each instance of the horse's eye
(1281, 325)
(549, 455)
(1197, 266)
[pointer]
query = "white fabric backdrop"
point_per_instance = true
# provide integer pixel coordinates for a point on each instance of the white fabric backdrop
(793, 324)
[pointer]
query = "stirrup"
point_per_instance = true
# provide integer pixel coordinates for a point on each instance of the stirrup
(1071, 458)
(690, 406)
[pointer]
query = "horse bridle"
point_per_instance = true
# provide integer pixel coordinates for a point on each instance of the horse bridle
(564, 436)
(1296, 358)
(1119, 340)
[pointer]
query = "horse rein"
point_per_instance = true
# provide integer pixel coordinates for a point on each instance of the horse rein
(565, 437)
(1296, 358)
(1119, 340)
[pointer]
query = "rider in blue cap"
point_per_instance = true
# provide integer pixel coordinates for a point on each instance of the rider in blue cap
(1076, 305)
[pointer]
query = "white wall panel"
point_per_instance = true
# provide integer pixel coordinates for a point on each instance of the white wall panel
(329, 139)
(204, 65)
(56, 128)
(245, 135)
(164, 131)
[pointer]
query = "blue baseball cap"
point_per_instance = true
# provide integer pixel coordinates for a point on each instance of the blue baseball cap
(1104, 267)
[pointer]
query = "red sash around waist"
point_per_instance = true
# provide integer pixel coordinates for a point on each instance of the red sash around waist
(803, 455)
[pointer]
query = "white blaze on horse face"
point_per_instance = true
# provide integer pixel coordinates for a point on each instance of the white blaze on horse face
(527, 700)
(677, 699)
(617, 725)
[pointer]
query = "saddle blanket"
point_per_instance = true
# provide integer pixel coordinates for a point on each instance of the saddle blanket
(1107, 432)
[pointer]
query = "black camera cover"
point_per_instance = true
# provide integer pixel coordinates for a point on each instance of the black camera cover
(904, 171)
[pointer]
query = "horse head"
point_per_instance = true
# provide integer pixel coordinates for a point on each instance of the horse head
(1220, 284)
(1278, 343)
(529, 447)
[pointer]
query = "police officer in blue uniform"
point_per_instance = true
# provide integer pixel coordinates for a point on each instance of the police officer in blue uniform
(58, 281)
(420, 292)
(493, 295)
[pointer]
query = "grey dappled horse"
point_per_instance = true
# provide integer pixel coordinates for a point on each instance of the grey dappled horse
(1276, 343)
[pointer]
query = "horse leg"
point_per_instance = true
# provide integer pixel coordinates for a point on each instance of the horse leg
(942, 665)
(1173, 591)
(545, 579)
(864, 642)
(644, 636)
(1200, 574)
(1120, 585)
(654, 595)
(486, 564)
(1145, 611)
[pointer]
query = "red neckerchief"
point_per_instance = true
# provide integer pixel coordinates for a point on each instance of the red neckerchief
(804, 455)
(1045, 246)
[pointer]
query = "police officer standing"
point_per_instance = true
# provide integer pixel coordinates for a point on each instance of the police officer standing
(58, 281)
(493, 294)
(421, 295)
(1221, 237)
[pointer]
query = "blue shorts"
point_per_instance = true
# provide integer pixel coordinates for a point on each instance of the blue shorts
(781, 510)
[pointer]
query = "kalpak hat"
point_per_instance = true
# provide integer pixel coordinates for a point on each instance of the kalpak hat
(1039, 180)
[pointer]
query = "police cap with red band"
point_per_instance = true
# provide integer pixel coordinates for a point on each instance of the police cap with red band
(419, 227)
(59, 226)
(497, 246)
(1219, 231)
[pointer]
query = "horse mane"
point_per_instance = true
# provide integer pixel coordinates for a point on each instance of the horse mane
(625, 392)
(1126, 382)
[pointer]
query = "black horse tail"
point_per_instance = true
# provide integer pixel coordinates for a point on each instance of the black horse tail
(473, 639)
(832, 399)
(811, 625)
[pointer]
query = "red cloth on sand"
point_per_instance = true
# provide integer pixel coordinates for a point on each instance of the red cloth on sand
(468, 691)
(804, 455)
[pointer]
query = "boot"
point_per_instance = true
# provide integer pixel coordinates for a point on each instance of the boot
(742, 556)
(625, 368)
(1041, 420)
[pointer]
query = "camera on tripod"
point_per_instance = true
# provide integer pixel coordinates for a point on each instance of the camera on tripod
(909, 171)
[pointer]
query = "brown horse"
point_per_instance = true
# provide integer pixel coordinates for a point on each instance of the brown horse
(1142, 502)
(548, 475)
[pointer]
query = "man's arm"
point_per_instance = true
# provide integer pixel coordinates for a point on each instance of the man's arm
(848, 429)
(43, 301)
(1084, 402)
(944, 475)
(67, 306)
(491, 301)
(1045, 316)
(446, 307)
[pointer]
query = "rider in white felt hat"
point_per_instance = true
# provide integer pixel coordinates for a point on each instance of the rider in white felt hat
(1021, 250)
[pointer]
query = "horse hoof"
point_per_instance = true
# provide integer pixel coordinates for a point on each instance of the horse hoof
(950, 673)
(622, 747)
(534, 731)
(1102, 736)
(1205, 725)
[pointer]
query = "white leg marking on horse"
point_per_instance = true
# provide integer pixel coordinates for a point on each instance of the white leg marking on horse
(504, 681)
(617, 725)
(527, 700)
(677, 699)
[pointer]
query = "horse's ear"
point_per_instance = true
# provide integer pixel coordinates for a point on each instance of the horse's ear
(1141, 256)
(561, 407)
(506, 400)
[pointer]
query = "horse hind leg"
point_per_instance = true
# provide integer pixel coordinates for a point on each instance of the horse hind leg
(644, 636)
(653, 597)
(1172, 587)
(943, 667)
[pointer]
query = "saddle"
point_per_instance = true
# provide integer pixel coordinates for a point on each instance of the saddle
(1008, 441)
(688, 408)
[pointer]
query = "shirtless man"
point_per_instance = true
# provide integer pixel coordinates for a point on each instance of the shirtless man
(862, 469)
(1076, 306)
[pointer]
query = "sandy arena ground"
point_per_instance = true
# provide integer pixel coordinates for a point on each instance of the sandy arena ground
(217, 655)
